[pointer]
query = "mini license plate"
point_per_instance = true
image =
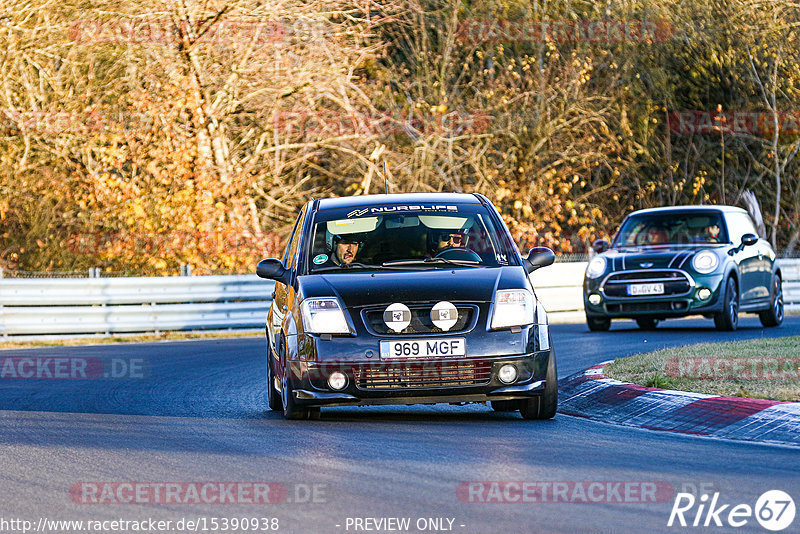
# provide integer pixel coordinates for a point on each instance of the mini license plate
(424, 348)
(636, 290)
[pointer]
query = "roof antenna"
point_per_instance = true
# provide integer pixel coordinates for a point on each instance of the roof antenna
(385, 181)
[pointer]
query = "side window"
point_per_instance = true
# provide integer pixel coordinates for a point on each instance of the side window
(738, 225)
(291, 246)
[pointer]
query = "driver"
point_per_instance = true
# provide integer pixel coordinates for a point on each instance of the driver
(344, 249)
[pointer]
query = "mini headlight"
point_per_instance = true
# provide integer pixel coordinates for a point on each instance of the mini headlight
(337, 380)
(595, 299)
(596, 267)
(507, 374)
(323, 316)
(705, 262)
(512, 307)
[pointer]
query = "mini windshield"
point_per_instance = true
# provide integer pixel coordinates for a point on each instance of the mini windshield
(672, 228)
(386, 238)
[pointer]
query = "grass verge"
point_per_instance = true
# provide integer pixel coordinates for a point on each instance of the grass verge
(761, 368)
(125, 338)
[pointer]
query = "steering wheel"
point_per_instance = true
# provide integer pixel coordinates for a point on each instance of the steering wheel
(459, 253)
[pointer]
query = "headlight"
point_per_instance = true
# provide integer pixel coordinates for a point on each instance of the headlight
(513, 307)
(596, 267)
(705, 262)
(323, 316)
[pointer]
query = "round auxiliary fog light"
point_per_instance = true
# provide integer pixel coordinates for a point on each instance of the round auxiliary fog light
(704, 293)
(337, 380)
(507, 374)
(595, 299)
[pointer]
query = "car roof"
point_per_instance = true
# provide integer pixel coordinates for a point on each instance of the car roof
(397, 198)
(689, 208)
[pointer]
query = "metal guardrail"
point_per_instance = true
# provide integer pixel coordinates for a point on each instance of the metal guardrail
(135, 304)
(143, 304)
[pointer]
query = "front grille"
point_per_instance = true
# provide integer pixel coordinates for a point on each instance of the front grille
(657, 306)
(432, 374)
(420, 321)
(675, 282)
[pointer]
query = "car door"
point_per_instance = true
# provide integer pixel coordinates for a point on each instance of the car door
(281, 299)
(750, 259)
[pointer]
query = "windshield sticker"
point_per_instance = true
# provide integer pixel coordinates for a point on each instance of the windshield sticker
(319, 259)
(393, 209)
(502, 259)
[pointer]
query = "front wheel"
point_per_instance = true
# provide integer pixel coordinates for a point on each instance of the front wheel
(598, 324)
(290, 408)
(728, 319)
(774, 315)
(544, 406)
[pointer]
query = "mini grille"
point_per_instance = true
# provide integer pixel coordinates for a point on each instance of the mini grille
(658, 306)
(675, 283)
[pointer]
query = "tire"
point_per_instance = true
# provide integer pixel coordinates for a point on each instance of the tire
(273, 397)
(544, 406)
(598, 324)
(774, 315)
(505, 405)
(647, 323)
(728, 319)
(291, 410)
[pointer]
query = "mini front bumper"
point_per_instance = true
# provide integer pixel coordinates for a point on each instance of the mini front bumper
(418, 381)
(657, 306)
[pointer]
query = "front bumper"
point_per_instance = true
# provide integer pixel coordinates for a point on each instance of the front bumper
(428, 381)
(657, 306)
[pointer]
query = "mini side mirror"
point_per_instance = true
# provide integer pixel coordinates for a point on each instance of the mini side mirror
(749, 239)
(273, 269)
(600, 246)
(539, 257)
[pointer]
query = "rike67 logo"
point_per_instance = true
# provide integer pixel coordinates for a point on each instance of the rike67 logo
(774, 510)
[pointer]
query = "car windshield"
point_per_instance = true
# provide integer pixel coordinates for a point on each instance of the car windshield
(408, 237)
(672, 228)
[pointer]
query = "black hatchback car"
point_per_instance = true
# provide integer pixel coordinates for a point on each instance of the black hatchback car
(684, 260)
(406, 299)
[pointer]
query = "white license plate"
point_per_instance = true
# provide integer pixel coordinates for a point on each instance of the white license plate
(645, 289)
(424, 348)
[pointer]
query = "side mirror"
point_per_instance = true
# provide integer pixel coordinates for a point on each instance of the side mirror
(749, 239)
(539, 257)
(273, 269)
(600, 246)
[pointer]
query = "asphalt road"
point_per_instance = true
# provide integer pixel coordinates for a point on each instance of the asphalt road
(197, 414)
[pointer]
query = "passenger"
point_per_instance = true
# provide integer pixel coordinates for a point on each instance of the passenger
(449, 239)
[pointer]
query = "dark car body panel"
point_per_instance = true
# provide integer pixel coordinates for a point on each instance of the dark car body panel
(307, 359)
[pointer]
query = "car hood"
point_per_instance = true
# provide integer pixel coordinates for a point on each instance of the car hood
(657, 257)
(385, 287)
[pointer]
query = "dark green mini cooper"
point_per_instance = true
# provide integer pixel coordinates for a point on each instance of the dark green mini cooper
(683, 260)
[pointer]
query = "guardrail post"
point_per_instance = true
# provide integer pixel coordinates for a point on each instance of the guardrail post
(94, 272)
(186, 269)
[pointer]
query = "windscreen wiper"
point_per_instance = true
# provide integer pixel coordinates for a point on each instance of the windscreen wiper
(431, 261)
